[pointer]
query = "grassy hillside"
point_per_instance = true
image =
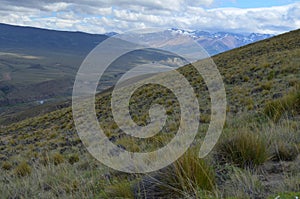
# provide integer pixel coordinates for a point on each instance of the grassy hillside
(256, 157)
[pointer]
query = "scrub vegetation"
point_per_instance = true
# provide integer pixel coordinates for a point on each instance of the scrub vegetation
(257, 155)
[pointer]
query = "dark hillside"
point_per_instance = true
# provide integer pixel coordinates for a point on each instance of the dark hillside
(27, 40)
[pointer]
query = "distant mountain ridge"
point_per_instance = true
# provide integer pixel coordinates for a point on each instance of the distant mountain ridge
(218, 42)
(19, 38)
(213, 42)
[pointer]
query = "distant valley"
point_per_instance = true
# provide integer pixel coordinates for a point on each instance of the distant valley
(39, 65)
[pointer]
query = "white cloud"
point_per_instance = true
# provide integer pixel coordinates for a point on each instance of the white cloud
(56, 7)
(99, 16)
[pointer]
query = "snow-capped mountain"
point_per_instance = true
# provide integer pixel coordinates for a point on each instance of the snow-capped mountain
(215, 43)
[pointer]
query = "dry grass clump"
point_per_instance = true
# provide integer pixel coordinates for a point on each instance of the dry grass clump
(120, 190)
(285, 138)
(52, 181)
(244, 184)
(292, 183)
(267, 85)
(73, 158)
(285, 151)
(6, 165)
(188, 177)
(57, 159)
(243, 149)
(23, 169)
(289, 103)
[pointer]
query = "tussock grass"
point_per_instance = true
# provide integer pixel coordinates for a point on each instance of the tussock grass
(289, 103)
(188, 177)
(50, 181)
(285, 151)
(284, 139)
(73, 158)
(244, 184)
(6, 165)
(57, 159)
(23, 169)
(291, 183)
(243, 149)
(123, 189)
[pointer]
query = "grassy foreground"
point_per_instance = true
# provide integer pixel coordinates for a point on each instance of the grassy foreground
(252, 160)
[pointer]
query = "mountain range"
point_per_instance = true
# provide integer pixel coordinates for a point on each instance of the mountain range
(218, 42)
(28, 39)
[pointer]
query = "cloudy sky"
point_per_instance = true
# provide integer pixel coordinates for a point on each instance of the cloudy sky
(101, 16)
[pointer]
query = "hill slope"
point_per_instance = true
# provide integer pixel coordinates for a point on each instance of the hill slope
(26, 40)
(254, 76)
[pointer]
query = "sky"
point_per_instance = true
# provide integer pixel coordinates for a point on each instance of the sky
(102, 16)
